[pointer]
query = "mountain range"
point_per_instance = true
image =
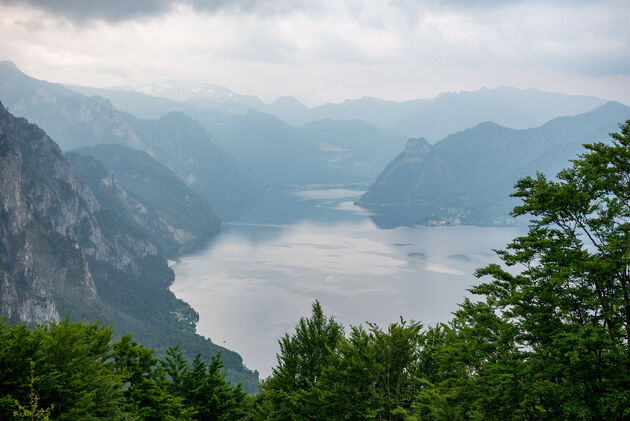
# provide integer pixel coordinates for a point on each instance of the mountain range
(467, 177)
(175, 140)
(431, 118)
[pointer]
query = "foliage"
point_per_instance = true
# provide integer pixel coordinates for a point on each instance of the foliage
(32, 411)
(82, 374)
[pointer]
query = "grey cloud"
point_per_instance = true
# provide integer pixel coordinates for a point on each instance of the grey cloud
(84, 11)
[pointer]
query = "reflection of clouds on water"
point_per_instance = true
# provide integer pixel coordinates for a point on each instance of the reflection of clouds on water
(255, 280)
(418, 255)
(436, 267)
(328, 194)
(460, 257)
(332, 249)
(351, 207)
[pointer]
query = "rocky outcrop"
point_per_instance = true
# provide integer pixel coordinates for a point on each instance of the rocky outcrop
(64, 253)
(51, 226)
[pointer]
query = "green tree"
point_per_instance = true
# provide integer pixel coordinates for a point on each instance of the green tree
(301, 360)
(74, 370)
(203, 387)
(550, 339)
(374, 375)
(147, 387)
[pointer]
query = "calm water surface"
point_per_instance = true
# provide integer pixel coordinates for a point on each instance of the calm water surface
(255, 280)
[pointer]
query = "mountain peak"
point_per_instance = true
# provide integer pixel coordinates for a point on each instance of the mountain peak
(9, 67)
(417, 145)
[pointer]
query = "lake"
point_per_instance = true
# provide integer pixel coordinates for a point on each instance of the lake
(253, 282)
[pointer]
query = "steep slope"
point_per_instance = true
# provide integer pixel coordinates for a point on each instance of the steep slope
(277, 153)
(146, 193)
(176, 141)
(467, 177)
(61, 251)
(184, 146)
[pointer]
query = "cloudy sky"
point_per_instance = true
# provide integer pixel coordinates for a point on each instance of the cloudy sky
(322, 50)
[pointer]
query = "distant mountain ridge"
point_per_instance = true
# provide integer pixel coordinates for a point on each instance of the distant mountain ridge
(175, 140)
(467, 176)
(431, 118)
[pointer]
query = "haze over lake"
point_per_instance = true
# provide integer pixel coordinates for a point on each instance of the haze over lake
(265, 269)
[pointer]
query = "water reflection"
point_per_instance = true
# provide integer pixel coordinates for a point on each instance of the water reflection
(263, 272)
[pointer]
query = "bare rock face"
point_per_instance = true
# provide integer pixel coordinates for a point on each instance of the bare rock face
(64, 253)
(50, 228)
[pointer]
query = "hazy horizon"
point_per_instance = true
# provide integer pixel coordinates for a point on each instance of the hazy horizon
(326, 52)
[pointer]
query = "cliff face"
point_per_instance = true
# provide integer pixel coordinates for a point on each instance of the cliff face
(50, 228)
(62, 252)
(45, 211)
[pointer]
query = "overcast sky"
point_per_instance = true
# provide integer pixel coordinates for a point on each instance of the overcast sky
(325, 51)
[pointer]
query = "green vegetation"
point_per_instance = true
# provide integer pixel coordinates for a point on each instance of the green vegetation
(75, 371)
(548, 338)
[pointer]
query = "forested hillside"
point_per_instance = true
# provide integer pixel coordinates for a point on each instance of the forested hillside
(146, 193)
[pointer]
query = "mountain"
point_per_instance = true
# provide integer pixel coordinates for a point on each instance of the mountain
(467, 176)
(375, 111)
(506, 106)
(450, 112)
(286, 108)
(275, 152)
(432, 118)
(63, 253)
(354, 145)
(184, 146)
(146, 193)
(175, 140)
(132, 102)
(318, 153)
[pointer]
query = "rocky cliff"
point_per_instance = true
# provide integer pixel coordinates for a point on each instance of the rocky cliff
(50, 230)
(63, 253)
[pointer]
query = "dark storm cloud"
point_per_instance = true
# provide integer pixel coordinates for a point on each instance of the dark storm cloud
(82, 11)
